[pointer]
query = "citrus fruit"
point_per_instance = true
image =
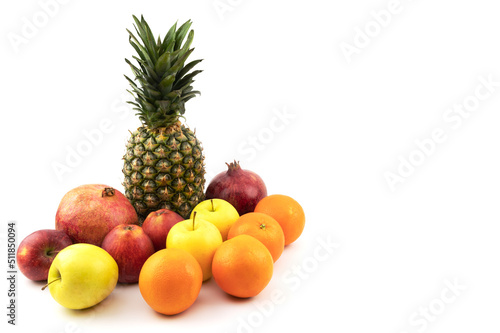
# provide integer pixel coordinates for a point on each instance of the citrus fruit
(264, 228)
(170, 281)
(287, 212)
(242, 266)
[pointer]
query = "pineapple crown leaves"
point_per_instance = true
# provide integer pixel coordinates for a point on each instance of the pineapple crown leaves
(163, 81)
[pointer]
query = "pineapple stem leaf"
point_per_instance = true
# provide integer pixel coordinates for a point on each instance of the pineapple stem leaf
(162, 83)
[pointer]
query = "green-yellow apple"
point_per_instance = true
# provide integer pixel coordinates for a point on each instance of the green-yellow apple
(198, 237)
(82, 275)
(219, 212)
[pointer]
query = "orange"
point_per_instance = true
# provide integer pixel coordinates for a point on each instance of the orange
(287, 212)
(242, 266)
(264, 228)
(170, 281)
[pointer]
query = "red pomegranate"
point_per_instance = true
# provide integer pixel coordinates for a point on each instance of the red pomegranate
(241, 188)
(88, 212)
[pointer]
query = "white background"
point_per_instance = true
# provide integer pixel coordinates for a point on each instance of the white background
(350, 121)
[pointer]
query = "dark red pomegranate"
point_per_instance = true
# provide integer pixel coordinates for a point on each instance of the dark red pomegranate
(241, 188)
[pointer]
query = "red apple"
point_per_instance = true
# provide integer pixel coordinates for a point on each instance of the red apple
(129, 245)
(157, 225)
(88, 213)
(37, 251)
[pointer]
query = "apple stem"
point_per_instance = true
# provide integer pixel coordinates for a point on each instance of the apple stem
(51, 252)
(43, 288)
(194, 216)
(212, 201)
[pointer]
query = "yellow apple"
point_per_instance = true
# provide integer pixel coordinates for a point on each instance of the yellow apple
(219, 212)
(198, 237)
(82, 275)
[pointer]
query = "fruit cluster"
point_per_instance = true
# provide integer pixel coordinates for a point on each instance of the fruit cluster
(234, 236)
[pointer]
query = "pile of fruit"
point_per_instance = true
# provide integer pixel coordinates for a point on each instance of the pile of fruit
(98, 243)
(165, 232)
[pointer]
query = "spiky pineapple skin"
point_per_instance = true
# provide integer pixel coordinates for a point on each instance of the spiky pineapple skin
(164, 168)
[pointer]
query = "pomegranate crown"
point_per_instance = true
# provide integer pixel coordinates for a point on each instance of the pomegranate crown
(233, 166)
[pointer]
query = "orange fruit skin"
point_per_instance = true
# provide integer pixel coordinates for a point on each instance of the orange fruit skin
(287, 212)
(263, 227)
(242, 266)
(170, 281)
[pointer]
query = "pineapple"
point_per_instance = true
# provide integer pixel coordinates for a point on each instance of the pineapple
(164, 162)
